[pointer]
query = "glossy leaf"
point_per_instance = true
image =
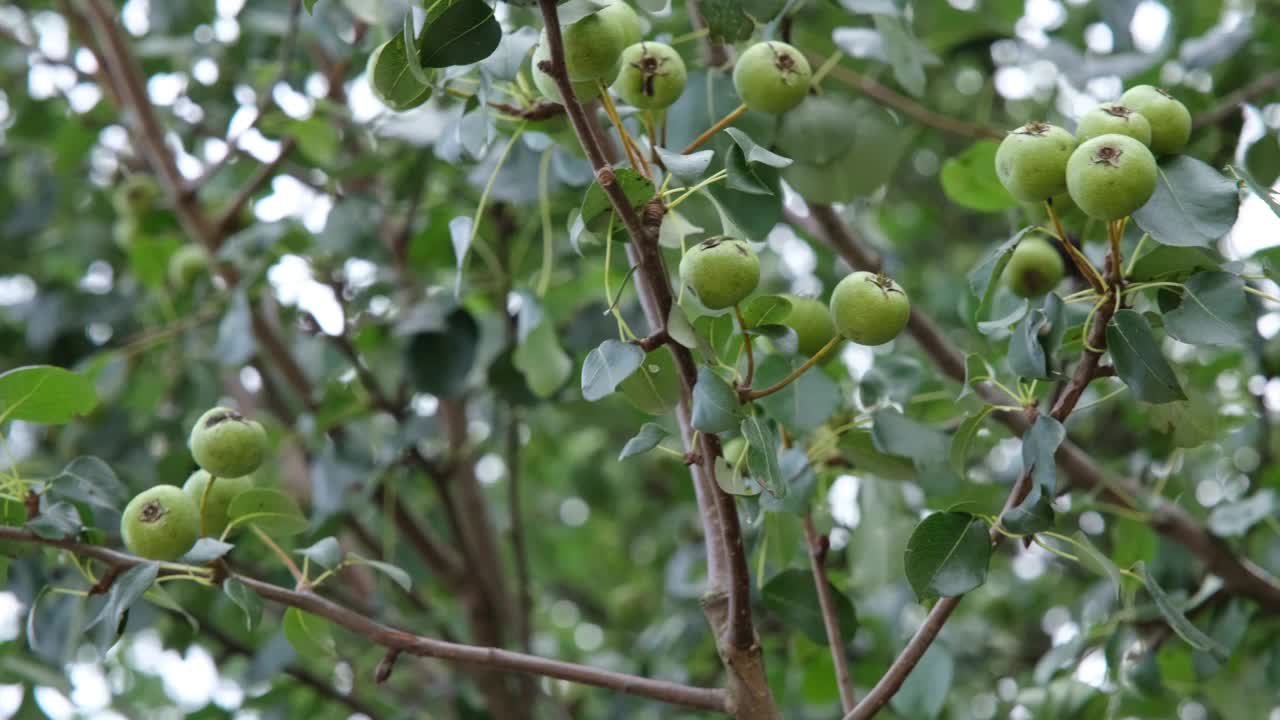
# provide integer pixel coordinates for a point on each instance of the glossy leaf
(948, 554)
(647, 439)
(45, 394)
(271, 511)
(1139, 361)
(606, 366)
(1193, 205)
(715, 404)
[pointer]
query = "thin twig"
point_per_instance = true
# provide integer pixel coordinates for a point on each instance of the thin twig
(708, 699)
(817, 563)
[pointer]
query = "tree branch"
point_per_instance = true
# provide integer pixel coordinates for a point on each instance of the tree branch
(906, 105)
(1230, 103)
(709, 699)
(817, 563)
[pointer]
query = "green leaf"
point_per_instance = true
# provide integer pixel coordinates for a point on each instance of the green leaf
(792, 596)
(732, 478)
(1189, 423)
(654, 387)
(56, 522)
(976, 370)
(1193, 204)
(397, 575)
(1094, 559)
(803, 405)
(90, 480)
(309, 5)
(45, 394)
(1266, 194)
(325, 552)
(765, 310)
(754, 153)
(271, 511)
(1039, 444)
(1168, 263)
(928, 449)
(465, 32)
(762, 455)
(606, 366)
(1138, 360)
(413, 58)
(800, 480)
(964, 437)
(984, 278)
(924, 693)
(715, 404)
(969, 179)
(1176, 619)
(726, 21)
(686, 168)
(205, 551)
(1027, 357)
(310, 635)
(1214, 311)
(545, 365)
(596, 203)
(860, 448)
(647, 439)
(1236, 518)
(748, 178)
(439, 360)
(391, 80)
(127, 589)
(948, 554)
(904, 53)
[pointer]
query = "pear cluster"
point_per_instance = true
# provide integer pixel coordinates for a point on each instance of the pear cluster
(867, 308)
(163, 522)
(1107, 168)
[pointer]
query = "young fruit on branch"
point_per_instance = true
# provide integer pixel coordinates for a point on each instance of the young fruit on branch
(624, 17)
(721, 271)
(869, 309)
(1031, 161)
(772, 77)
(227, 445)
(652, 77)
(186, 264)
(591, 47)
(1170, 120)
(160, 523)
(811, 320)
(585, 91)
(224, 490)
(1034, 268)
(1114, 119)
(1110, 176)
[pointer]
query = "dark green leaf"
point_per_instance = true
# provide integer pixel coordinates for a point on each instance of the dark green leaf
(647, 439)
(1214, 311)
(127, 589)
(397, 575)
(654, 387)
(762, 455)
(310, 635)
(1193, 204)
(271, 511)
(1168, 263)
(860, 448)
(606, 366)
(392, 81)
(1174, 616)
(45, 394)
(792, 596)
(715, 404)
(969, 179)
(804, 404)
(90, 480)
(984, 279)
(928, 449)
(56, 522)
(948, 554)
(465, 32)
(1138, 359)
(439, 361)
(964, 437)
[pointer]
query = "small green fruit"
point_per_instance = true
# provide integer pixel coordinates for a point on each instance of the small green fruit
(1114, 119)
(160, 523)
(652, 77)
(226, 444)
(1110, 176)
(1034, 268)
(186, 264)
(772, 77)
(591, 48)
(869, 309)
(1031, 161)
(721, 271)
(811, 321)
(585, 91)
(138, 194)
(624, 17)
(224, 490)
(735, 452)
(1170, 120)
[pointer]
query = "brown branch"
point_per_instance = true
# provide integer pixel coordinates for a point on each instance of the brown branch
(817, 563)
(906, 105)
(1230, 103)
(709, 699)
(728, 576)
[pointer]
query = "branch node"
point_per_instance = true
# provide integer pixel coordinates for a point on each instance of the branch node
(386, 665)
(692, 458)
